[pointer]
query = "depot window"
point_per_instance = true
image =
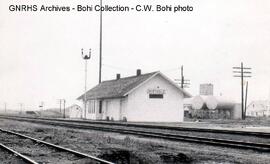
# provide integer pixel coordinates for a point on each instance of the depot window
(156, 96)
(100, 107)
(91, 106)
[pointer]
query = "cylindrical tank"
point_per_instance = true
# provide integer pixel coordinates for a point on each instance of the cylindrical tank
(213, 103)
(198, 102)
(187, 101)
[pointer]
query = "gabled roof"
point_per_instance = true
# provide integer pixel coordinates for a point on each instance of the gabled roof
(74, 106)
(259, 105)
(122, 87)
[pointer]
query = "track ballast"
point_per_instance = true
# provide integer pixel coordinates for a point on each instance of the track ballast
(263, 147)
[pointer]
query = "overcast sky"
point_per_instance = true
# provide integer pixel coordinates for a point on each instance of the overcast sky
(40, 56)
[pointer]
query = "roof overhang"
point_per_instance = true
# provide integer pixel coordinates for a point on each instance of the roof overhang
(102, 98)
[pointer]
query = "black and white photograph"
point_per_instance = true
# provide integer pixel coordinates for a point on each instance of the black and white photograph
(134, 82)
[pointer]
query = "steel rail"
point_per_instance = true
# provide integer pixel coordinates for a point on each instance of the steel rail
(163, 127)
(210, 141)
(168, 136)
(23, 157)
(58, 147)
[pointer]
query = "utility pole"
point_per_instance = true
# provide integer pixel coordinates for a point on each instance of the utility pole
(183, 82)
(86, 58)
(182, 77)
(60, 105)
(64, 108)
(5, 104)
(239, 72)
(41, 105)
(246, 98)
(21, 107)
(100, 44)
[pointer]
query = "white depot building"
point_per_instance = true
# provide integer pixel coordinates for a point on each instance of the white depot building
(150, 97)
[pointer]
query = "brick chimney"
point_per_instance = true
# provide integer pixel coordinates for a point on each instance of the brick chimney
(118, 76)
(139, 72)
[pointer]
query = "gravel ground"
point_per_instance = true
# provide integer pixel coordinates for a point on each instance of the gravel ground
(131, 149)
(256, 139)
(8, 158)
(228, 123)
(37, 152)
(237, 137)
(254, 122)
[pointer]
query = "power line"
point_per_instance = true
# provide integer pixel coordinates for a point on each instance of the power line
(183, 82)
(64, 107)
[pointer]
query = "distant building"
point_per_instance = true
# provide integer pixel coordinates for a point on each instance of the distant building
(74, 111)
(259, 108)
(150, 97)
(207, 89)
(51, 112)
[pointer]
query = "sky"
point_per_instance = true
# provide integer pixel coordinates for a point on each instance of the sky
(40, 52)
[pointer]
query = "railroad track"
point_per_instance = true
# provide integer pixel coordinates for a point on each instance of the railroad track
(263, 147)
(40, 142)
(162, 127)
(19, 155)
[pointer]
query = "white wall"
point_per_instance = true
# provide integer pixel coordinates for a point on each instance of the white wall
(258, 109)
(88, 114)
(139, 107)
(74, 111)
(111, 109)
